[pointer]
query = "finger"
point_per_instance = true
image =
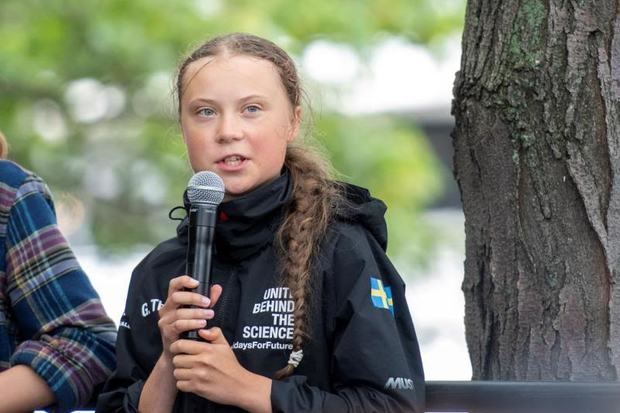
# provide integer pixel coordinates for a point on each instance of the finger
(182, 374)
(213, 335)
(183, 361)
(181, 326)
(185, 386)
(189, 347)
(190, 298)
(180, 283)
(214, 293)
(194, 314)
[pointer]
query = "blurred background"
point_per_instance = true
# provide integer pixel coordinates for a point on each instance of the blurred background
(86, 101)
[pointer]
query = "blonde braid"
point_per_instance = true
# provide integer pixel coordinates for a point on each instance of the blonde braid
(315, 197)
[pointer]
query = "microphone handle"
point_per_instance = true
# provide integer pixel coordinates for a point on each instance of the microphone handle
(202, 259)
(201, 265)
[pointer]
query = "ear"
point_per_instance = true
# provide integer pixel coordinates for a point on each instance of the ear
(295, 124)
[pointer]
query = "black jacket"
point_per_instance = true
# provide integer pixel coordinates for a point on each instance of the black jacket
(363, 354)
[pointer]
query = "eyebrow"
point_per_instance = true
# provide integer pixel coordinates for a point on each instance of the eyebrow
(200, 100)
(253, 97)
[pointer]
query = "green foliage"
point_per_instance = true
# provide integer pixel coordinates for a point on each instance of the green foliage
(394, 161)
(119, 151)
(384, 155)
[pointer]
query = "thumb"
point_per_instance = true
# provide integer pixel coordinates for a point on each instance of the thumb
(215, 293)
(213, 335)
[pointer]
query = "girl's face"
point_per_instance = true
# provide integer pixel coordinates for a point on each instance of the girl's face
(237, 120)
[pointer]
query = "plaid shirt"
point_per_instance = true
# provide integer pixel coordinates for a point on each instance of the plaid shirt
(51, 318)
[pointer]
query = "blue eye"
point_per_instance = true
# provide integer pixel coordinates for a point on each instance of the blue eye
(252, 108)
(206, 112)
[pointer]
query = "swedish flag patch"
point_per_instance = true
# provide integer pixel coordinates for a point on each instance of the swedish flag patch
(381, 296)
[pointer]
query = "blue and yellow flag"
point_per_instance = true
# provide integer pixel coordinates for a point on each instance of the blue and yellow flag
(381, 296)
(388, 293)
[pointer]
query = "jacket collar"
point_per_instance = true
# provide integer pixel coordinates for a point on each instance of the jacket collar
(247, 224)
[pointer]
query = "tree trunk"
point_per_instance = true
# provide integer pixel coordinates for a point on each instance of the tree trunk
(537, 160)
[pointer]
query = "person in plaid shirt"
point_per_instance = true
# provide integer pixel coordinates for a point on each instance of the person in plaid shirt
(56, 340)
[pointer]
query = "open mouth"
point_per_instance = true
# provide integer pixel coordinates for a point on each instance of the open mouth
(233, 160)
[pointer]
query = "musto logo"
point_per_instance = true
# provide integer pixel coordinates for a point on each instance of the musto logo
(399, 383)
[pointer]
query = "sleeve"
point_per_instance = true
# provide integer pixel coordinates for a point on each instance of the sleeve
(138, 347)
(67, 338)
(375, 361)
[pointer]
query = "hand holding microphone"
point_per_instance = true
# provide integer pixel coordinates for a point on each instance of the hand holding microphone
(205, 191)
(183, 311)
(186, 309)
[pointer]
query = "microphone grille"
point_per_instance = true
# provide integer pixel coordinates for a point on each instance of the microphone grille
(205, 187)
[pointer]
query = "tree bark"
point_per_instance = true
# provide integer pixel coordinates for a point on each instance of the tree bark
(537, 160)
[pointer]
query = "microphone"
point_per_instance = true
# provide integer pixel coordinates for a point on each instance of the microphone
(205, 191)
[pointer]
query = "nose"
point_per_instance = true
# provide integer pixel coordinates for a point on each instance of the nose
(229, 129)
